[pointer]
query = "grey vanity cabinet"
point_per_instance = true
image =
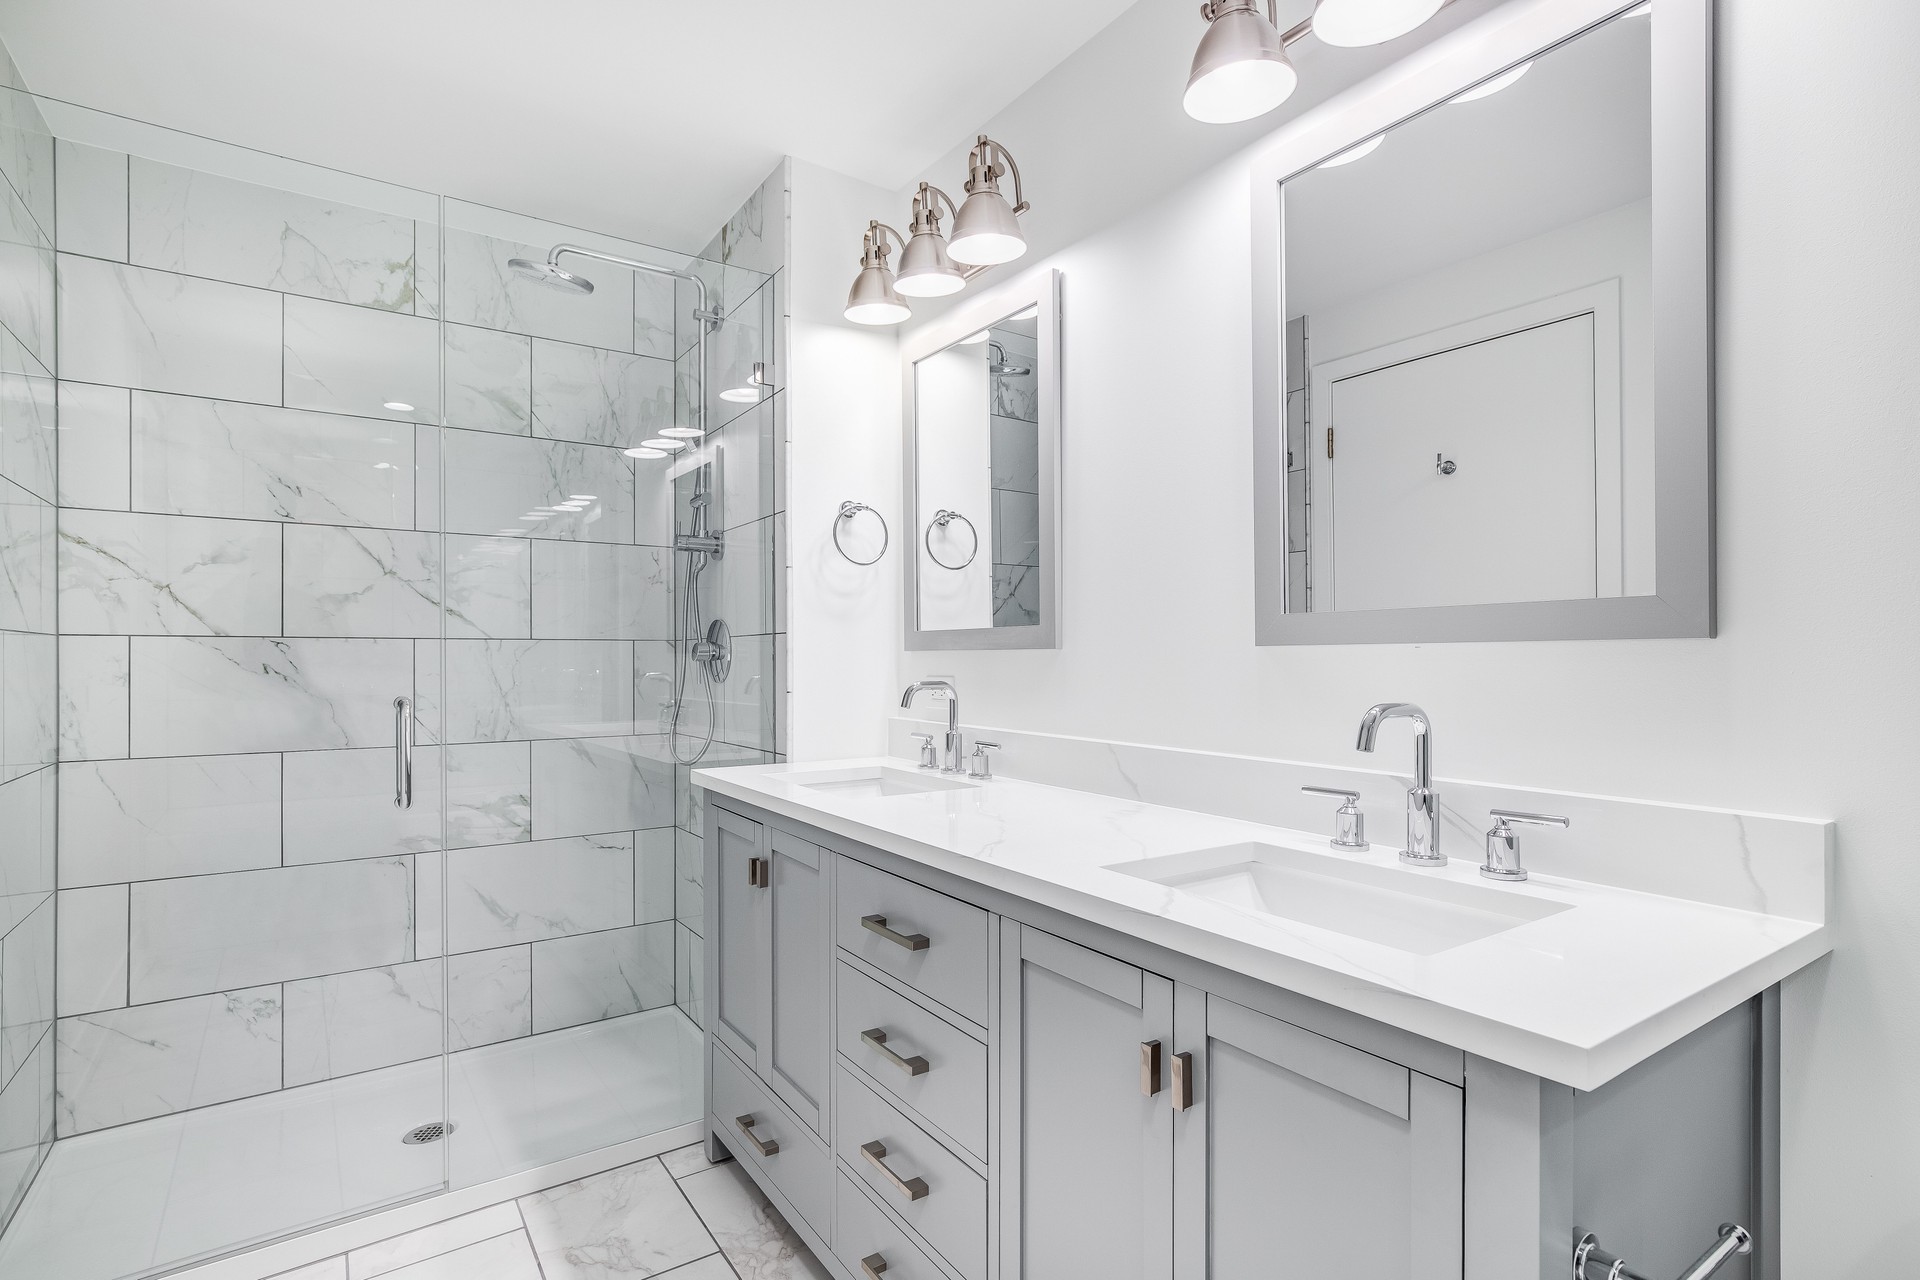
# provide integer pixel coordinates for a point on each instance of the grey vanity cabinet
(1304, 1157)
(774, 951)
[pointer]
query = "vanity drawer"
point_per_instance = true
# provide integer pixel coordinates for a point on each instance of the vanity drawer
(944, 1076)
(928, 1187)
(872, 1245)
(933, 943)
(802, 1171)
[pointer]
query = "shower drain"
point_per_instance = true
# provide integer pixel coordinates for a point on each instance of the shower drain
(428, 1132)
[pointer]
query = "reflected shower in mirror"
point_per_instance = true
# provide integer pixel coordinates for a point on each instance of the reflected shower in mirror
(1469, 357)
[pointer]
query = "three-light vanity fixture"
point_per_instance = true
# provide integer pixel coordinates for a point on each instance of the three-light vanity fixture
(1241, 69)
(986, 232)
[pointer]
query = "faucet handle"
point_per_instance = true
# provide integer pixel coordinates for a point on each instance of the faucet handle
(1349, 824)
(978, 765)
(929, 759)
(1503, 846)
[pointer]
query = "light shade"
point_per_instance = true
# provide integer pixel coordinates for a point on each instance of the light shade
(1240, 70)
(985, 232)
(1352, 23)
(925, 269)
(872, 299)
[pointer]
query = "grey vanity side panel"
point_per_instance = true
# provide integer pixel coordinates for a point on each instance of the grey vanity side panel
(798, 1051)
(1658, 1157)
(1502, 1141)
(739, 998)
(1429, 1057)
(1766, 1207)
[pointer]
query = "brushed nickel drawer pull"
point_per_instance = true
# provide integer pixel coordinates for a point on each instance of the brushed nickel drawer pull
(757, 877)
(766, 1147)
(876, 1155)
(911, 941)
(876, 1039)
(872, 1265)
(1149, 1067)
(1182, 1081)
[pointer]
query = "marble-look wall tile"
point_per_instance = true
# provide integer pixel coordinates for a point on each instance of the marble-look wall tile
(498, 690)
(585, 786)
(348, 1022)
(508, 485)
(1015, 455)
(356, 360)
(489, 587)
(339, 805)
(92, 189)
(489, 380)
(547, 889)
(28, 584)
(362, 582)
(1016, 595)
(489, 994)
(596, 976)
(489, 794)
(690, 895)
(690, 810)
(26, 1124)
(203, 224)
(428, 476)
(164, 332)
(26, 156)
(208, 933)
(599, 397)
(179, 816)
(653, 676)
(93, 697)
(739, 586)
(1016, 528)
(26, 977)
(27, 808)
(742, 341)
(297, 695)
(130, 1064)
(213, 458)
(29, 715)
(593, 591)
(124, 573)
(745, 701)
(429, 897)
(28, 419)
(27, 279)
(745, 452)
(653, 313)
(96, 449)
(92, 968)
(481, 290)
(690, 974)
(654, 875)
(754, 239)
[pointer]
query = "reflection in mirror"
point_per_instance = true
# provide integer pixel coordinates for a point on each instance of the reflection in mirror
(1469, 346)
(976, 408)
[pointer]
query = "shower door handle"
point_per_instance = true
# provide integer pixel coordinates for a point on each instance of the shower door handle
(403, 753)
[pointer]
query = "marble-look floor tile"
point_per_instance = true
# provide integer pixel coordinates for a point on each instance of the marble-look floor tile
(749, 1230)
(95, 445)
(596, 976)
(489, 380)
(626, 1223)
(356, 360)
(134, 327)
(597, 396)
(193, 456)
(176, 816)
(684, 1161)
(429, 1242)
(203, 224)
(489, 997)
(130, 574)
(591, 591)
(585, 786)
(128, 1064)
(506, 1257)
(545, 889)
(348, 1022)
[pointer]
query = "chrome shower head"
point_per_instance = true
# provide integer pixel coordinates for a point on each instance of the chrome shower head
(1001, 367)
(545, 273)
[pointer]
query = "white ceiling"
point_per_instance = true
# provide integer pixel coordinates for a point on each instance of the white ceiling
(643, 118)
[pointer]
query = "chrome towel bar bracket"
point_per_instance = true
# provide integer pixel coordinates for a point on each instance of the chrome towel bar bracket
(850, 509)
(941, 519)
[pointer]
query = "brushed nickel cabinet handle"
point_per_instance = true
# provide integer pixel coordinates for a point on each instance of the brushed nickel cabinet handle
(1149, 1067)
(766, 1147)
(1182, 1081)
(872, 1265)
(876, 1039)
(911, 941)
(876, 1155)
(757, 877)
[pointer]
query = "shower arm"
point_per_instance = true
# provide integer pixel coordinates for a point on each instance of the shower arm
(709, 319)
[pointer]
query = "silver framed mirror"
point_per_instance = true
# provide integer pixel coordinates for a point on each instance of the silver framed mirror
(981, 390)
(1483, 346)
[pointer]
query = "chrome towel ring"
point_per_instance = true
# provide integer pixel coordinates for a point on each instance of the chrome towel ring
(850, 509)
(943, 518)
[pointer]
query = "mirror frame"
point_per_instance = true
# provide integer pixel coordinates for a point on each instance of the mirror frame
(1683, 360)
(1039, 289)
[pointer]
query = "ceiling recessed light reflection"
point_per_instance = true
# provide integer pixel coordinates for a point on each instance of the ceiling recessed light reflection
(1351, 154)
(671, 446)
(398, 406)
(1488, 88)
(644, 453)
(973, 338)
(581, 497)
(682, 433)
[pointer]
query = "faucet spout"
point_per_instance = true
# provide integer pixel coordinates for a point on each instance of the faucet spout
(951, 760)
(1423, 805)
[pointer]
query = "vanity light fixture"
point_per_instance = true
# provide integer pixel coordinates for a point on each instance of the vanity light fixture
(1241, 69)
(749, 392)
(1353, 23)
(926, 269)
(1487, 88)
(986, 230)
(1353, 153)
(873, 299)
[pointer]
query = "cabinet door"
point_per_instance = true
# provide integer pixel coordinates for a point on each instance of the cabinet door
(1086, 1158)
(741, 1002)
(797, 1051)
(1304, 1158)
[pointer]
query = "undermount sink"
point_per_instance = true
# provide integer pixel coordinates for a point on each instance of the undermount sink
(1411, 911)
(874, 782)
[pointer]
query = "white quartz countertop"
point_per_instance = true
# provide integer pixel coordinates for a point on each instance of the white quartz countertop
(1577, 996)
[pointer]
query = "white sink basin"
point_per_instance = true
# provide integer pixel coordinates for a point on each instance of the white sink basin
(874, 782)
(1410, 910)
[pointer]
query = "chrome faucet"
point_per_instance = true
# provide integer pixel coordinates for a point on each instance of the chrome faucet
(1423, 806)
(950, 762)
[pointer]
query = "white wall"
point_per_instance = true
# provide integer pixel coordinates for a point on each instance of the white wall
(1807, 703)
